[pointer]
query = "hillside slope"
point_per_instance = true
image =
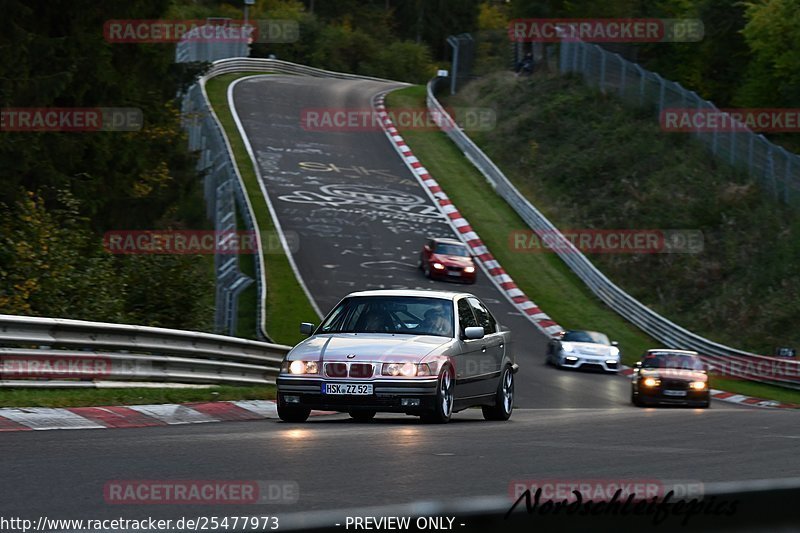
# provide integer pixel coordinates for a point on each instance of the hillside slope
(588, 162)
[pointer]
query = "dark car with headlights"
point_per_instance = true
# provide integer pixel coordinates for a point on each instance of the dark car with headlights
(424, 353)
(448, 259)
(665, 376)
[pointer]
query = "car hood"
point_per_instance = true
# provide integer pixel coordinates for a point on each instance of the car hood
(681, 374)
(590, 348)
(453, 260)
(372, 347)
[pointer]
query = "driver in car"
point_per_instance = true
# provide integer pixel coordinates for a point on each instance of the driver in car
(435, 323)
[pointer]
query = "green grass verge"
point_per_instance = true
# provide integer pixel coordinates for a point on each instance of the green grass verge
(543, 277)
(129, 396)
(286, 304)
(759, 390)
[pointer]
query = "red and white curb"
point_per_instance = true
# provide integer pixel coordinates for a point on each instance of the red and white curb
(492, 268)
(137, 416)
(732, 397)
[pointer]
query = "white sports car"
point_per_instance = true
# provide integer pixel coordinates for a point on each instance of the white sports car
(425, 353)
(589, 349)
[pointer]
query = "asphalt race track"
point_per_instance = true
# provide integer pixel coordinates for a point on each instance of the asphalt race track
(356, 218)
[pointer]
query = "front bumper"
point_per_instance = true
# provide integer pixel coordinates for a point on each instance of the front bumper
(388, 394)
(464, 277)
(580, 360)
(659, 395)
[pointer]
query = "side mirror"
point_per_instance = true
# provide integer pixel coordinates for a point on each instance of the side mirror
(474, 332)
(307, 328)
(637, 366)
(614, 343)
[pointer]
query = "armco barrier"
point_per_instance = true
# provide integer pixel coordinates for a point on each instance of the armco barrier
(717, 355)
(33, 348)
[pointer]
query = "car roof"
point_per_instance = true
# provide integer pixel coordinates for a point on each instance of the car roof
(445, 240)
(417, 293)
(671, 350)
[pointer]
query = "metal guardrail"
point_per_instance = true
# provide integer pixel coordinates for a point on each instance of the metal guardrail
(733, 362)
(63, 352)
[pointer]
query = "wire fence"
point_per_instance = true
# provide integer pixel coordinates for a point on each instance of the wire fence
(775, 168)
(738, 364)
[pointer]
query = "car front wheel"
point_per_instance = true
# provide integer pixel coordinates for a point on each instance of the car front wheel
(635, 400)
(292, 413)
(504, 401)
(445, 394)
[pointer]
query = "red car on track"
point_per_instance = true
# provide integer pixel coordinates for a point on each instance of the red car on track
(447, 259)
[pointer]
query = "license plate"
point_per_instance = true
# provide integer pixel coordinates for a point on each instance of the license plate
(358, 389)
(453, 273)
(674, 393)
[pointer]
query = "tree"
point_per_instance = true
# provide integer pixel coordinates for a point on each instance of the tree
(772, 33)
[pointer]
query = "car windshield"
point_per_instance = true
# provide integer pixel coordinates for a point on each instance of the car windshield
(586, 336)
(672, 360)
(451, 249)
(391, 314)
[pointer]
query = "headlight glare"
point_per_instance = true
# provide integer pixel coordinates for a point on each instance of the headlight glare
(407, 370)
(438, 266)
(303, 367)
(469, 270)
(651, 382)
(698, 385)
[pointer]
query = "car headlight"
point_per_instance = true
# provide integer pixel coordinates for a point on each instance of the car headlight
(406, 370)
(613, 352)
(469, 270)
(651, 382)
(567, 347)
(300, 367)
(698, 385)
(438, 266)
